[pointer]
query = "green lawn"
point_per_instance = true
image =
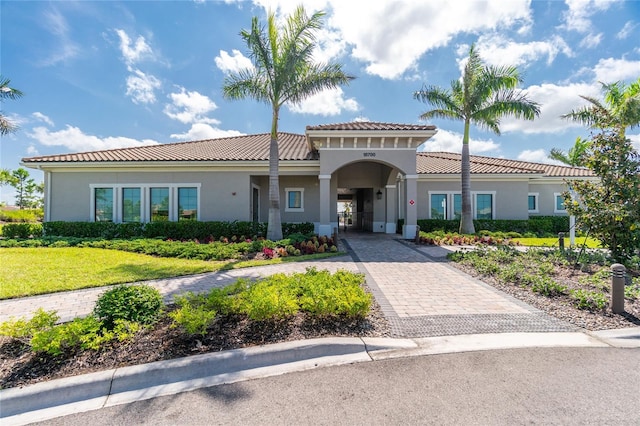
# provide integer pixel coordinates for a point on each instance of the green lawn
(31, 271)
(553, 242)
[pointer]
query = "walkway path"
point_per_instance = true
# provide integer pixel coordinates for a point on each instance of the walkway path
(422, 295)
(418, 291)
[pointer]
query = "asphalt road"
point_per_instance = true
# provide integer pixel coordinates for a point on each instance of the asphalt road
(520, 386)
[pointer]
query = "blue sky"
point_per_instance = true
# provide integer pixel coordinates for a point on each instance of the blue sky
(110, 74)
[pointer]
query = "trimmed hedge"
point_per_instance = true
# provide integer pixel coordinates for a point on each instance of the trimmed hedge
(536, 224)
(187, 230)
(22, 230)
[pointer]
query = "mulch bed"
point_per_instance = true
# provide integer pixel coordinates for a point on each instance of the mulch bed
(19, 366)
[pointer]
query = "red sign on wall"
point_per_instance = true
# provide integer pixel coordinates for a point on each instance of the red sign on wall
(412, 202)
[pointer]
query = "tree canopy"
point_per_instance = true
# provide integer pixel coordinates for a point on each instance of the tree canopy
(482, 97)
(283, 72)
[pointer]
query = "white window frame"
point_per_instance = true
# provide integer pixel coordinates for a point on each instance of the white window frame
(555, 203)
(254, 186)
(536, 196)
(145, 213)
(450, 214)
(474, 199)
(92, 201)
(294, 209)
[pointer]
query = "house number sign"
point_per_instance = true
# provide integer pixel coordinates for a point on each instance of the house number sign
(369, 154)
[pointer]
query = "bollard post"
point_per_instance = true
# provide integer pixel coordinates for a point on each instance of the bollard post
(618, 273)
(561, 240)
(417, 234)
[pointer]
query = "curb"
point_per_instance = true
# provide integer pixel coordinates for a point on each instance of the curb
(93, 391)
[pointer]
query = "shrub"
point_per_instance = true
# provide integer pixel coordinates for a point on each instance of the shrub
(81, 333)
(325, 295)
(270, 299)
(137, 303)
(535, 225)
(24, 330)
(589, 300)
(193, 319)
(183, 230)
(22, 230)
(24, 215)
(548, 287)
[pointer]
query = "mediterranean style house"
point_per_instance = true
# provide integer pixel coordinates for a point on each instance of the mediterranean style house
(373, 167)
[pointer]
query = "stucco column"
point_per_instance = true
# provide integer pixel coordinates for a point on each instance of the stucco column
(324, 228)
(391, 219)
(411, 207)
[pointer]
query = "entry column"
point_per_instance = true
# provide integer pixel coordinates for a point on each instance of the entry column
(325, 206)
(411, 220)
(392, 204)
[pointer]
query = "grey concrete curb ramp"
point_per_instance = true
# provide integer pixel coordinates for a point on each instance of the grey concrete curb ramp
(118, 386)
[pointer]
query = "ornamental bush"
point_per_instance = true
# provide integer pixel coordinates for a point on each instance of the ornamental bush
(139, 303)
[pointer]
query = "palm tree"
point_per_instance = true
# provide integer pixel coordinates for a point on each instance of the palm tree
(283, 72)
(6, 92)
(482, 96)
(576, 155)
(620, 110)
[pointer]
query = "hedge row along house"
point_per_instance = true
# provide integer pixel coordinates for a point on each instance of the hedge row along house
(373, 166)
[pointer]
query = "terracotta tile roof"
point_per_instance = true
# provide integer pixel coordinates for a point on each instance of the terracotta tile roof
(370, 125)
(238, 148)
(449, 163)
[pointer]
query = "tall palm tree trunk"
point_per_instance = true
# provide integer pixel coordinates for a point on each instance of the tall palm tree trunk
(274, 230)
(466, 220)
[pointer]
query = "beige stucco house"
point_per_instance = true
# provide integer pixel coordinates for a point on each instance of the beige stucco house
(374, 166)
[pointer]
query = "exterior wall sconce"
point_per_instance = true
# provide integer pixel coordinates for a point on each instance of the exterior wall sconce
(379, 195)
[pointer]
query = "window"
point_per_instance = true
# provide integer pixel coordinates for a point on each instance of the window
(441, 205)
(457, 206)
(484, 206)
(533, 202)
(438, 206)
(295, 199)
(131, 204)
(559, 207)
(187, 203)
(103, 204)
(159, 204)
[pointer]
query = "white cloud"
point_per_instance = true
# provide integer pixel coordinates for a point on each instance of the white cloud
(446, 141)
(626, 30)
(141, 87)
(32, 150)
(76, 140)
(390, 38)
(635, 141)
(232, 63)
(62, 47)
(41, 117)
(554, 101)
(495, 49)
(591, 41)
(133, 52)
(190, 107)
(201, 131)
(577, 17)
(537, 156)
(611, 70)
(328, 102)
(361, 119)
